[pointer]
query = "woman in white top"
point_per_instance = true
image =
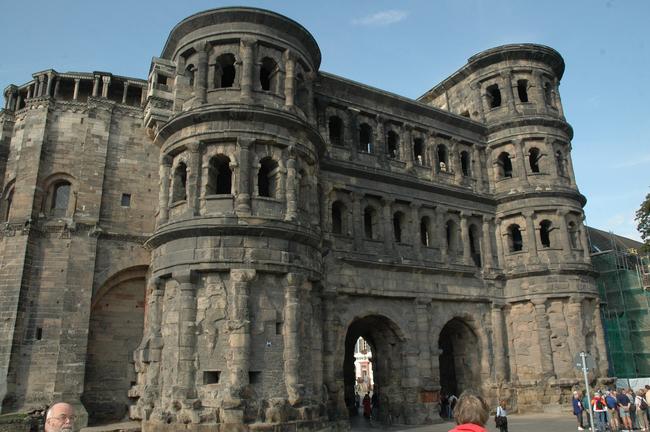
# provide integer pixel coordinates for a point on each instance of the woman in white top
(501, 417)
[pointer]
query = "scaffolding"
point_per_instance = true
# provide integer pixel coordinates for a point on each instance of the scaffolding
(624, 287)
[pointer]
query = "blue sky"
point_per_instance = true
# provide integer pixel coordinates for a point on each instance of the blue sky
(405, 47)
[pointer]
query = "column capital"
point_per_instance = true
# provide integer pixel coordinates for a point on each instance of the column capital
(289, 55)
(295, 279)
(106, 78)
(538, 302)
(415, 205)
(530, 214)
(387, 201)
(423, 301)
(242, 275)
(497, 305)
(247, 42)
(562, 212)
(166, 160)
(185, 277)
(193, 147)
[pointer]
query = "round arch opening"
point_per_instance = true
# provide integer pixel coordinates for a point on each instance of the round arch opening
(460, 358)
(385, 343)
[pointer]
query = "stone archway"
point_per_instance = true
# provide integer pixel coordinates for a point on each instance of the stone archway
(460, 357)
(115, 330)
(387, 346)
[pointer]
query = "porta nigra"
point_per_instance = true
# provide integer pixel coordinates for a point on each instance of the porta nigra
(205, 246)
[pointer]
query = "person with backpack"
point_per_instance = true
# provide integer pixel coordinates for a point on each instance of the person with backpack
(610, 400)
(599, 406)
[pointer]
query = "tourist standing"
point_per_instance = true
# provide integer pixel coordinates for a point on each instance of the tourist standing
(623, 403)
(60, 418)
(610, 400)
(470, 413)
(501, 417)
(599, 407)
(641, 410)
(578, 409)
(366, 406)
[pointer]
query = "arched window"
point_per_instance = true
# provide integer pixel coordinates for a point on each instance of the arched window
(369, 221)
(533, 159)
(398, 222)
(335, 126)
(269, 75)
(515, 241)
(267, 178)
(451, 234)
(475, 245)
(190, 72)
(224, 73)
(392, 144)
(418, 151)
(338, 217)
(505, 165)
(8, 202)
(545, 233)
(573, 234)
(443, 158)
(465, 163)
(522, 90)
(60, 198)
(425, 231)
(219, 176)
(179, 184)
(559, 159)
(494, 96)
(365, 138)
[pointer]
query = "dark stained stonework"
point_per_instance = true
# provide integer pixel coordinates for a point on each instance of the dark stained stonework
(204, 247)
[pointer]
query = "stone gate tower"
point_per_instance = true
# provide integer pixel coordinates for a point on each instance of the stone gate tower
(297, 211)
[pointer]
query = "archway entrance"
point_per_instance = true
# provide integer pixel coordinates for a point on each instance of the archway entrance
(381, 338)
(460, 358)
(115, 330)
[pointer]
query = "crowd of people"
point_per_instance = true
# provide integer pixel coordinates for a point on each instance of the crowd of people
(613, 410)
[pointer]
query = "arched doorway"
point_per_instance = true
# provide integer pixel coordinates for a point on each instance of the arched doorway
(385, 341)
(115, 330)
(460, 358)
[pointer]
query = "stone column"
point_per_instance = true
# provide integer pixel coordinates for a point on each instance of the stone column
(544, 338)
(486, 244)
(565, 239)
(379, 146)
(9, 100)
(423, 327)
(29, 92)
(585, 241)
(541, 99)
(464, 233)
(556, 97)
(389, 238)
(239, 337)
(575, 327)
(354, 132)
(311, 110)
(500, 343)
(506, 79)
(407, 147)
(416, 241)
(75, 93)
(500, 245)
(48, 89)
(602, 362)
(193, 178)
(454, 160)
(289, 79)
(292, 201)
(531, 235)
(126, 90)
(163, 194)
(243, 198)
(96, 86)
(246, 52)
(19, 100)
(39, 86)
(57, 86)
(201, 81)
(569, 167)
(186, 372)
(441, 213)
(106, 82)
(357, 222)
(521, 160)
(476, 93)
(292, 337)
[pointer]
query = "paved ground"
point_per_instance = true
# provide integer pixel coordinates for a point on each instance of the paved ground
(516, 423)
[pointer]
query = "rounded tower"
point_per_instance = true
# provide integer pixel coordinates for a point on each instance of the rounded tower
(232, 302)
(540, 236)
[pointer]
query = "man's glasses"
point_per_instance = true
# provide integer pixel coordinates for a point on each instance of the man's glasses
(63, 417)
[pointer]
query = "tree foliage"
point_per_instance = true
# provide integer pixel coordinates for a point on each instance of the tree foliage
(642, 219)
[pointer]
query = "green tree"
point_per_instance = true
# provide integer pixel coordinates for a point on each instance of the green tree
(643, 222)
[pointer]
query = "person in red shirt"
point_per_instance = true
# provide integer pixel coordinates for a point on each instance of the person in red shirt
(471, 413)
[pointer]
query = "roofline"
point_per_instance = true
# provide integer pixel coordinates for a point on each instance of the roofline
(493, 55)
(179, 29)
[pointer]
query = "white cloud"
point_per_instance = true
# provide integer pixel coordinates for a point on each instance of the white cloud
(381, 18)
